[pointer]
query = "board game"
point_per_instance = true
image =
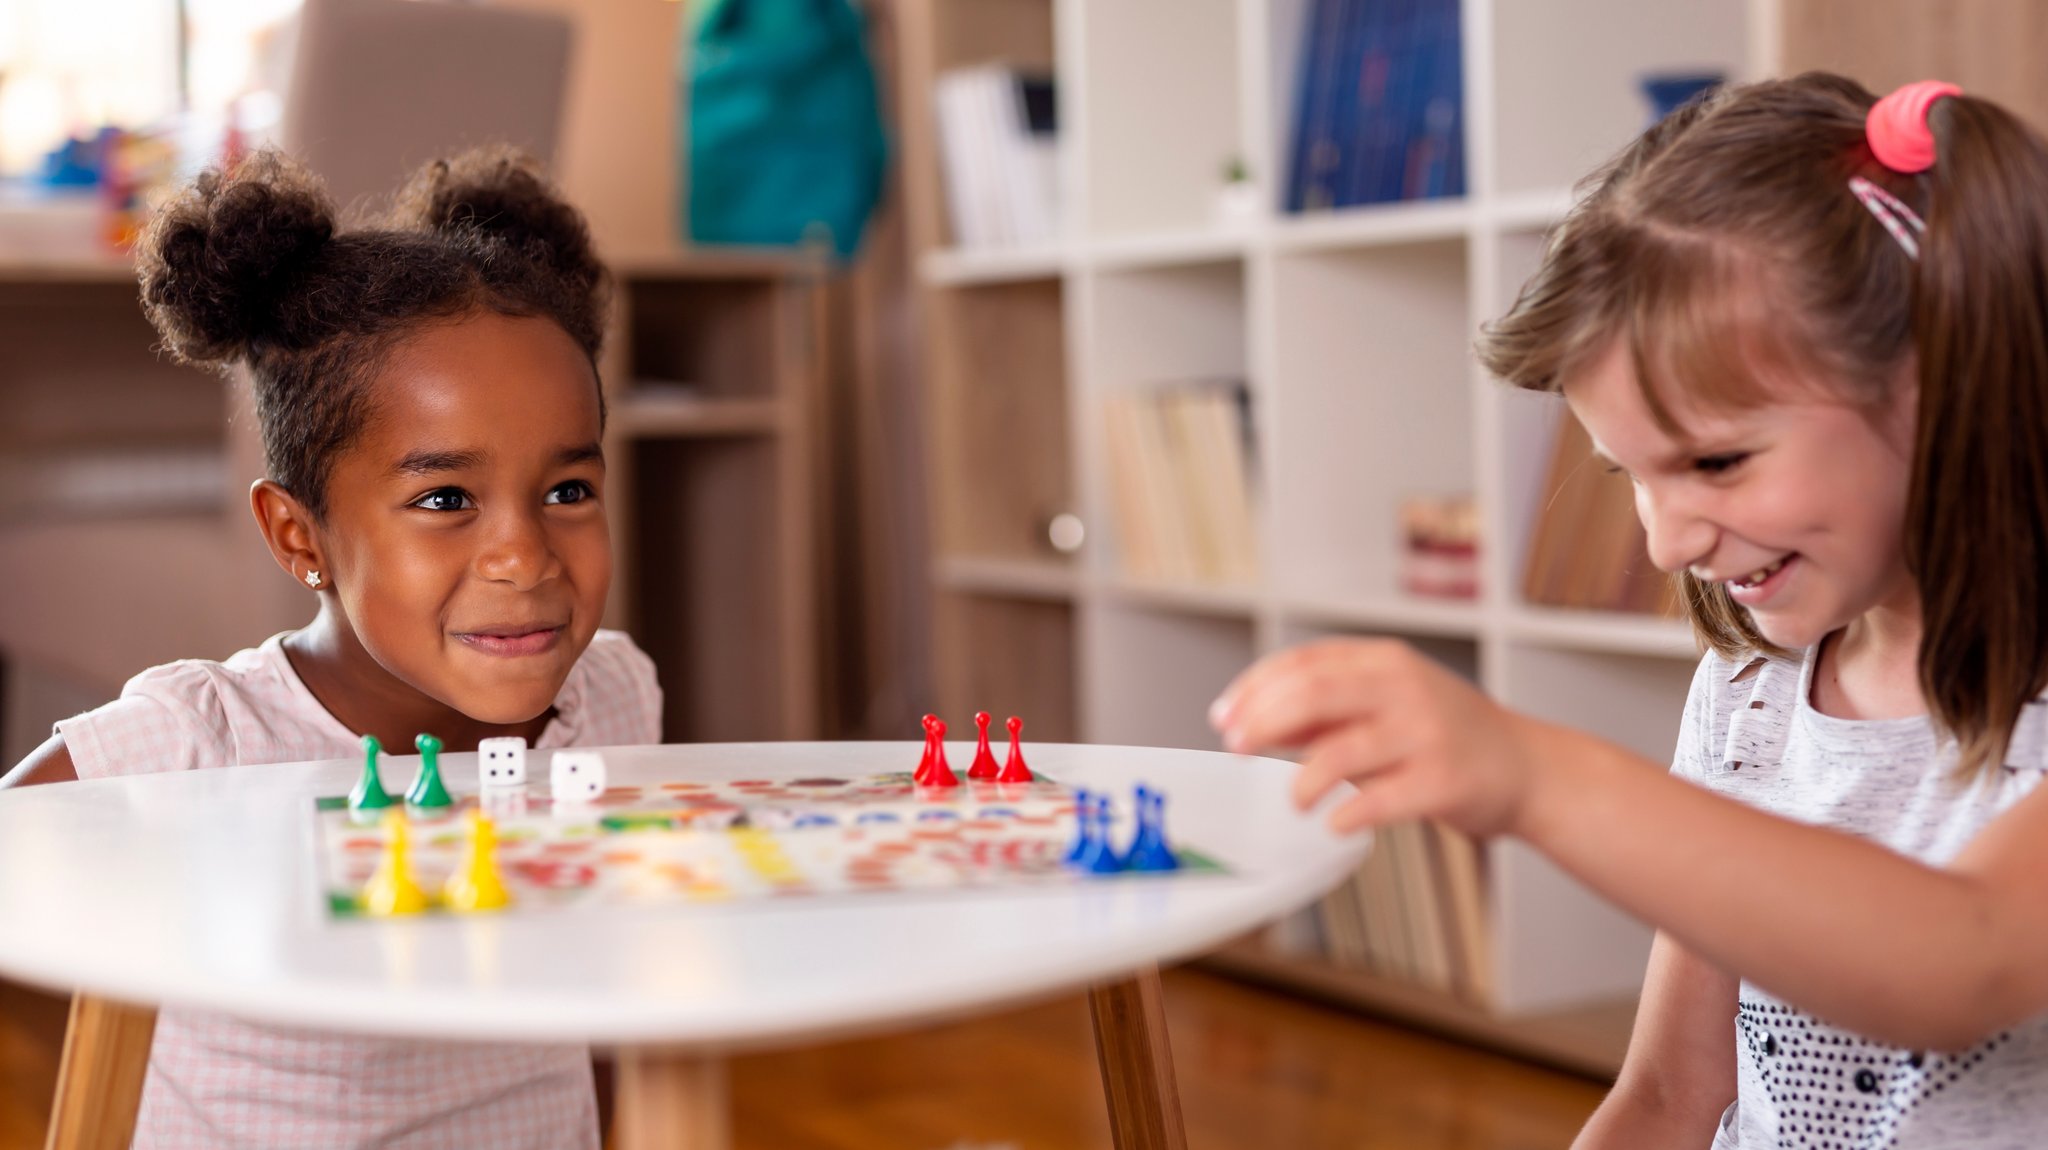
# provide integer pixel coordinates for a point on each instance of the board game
(701, 842)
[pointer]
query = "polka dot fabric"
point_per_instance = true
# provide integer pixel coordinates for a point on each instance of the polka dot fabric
(217, 1082)
(1802, 1083)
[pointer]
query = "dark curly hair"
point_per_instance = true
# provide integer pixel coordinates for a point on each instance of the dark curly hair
(251, 265)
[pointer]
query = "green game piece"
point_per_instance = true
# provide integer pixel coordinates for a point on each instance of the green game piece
(427, 791)
(369, 794)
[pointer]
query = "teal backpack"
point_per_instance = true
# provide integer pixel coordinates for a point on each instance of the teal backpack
(785, 132)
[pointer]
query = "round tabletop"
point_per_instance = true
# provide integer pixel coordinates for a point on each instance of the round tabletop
(198, 889)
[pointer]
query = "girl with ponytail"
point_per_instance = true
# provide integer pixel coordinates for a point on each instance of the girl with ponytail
(1812, 328)
(432, 423)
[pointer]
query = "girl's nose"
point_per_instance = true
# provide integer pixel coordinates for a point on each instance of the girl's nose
(1678, 535)
(518, 552)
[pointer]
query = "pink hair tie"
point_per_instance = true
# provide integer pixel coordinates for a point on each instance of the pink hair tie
(1897, 126)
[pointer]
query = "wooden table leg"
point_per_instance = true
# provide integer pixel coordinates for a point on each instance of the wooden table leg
(1137, 1064)
(99, 1080)
(670, 1101)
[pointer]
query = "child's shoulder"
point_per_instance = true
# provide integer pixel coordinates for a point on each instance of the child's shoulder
(247, 708)
(614, 693)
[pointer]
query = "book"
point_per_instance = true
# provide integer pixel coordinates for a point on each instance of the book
(1179, 469)
(998, 145)
(1588, 549)
(1379, 104)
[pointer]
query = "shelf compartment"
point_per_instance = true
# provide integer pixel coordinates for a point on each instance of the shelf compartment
(1155, 153)
(1460, 654)
(723, 336)
(1566, 74)
(1373, 404)
(717, 623)
(1008, 656)
(1154, 673)
(1558, 943)
(998, 419)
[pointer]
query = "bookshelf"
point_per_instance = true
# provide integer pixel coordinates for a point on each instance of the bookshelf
(1351, 329)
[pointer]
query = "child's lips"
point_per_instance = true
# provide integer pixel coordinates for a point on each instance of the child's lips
(512, 641)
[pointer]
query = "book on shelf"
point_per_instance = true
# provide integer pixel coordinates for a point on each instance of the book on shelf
(1440, 547)
(1379, 104)
(997, 153)
(1414, 911)
(1180, 481)
(1588, 549)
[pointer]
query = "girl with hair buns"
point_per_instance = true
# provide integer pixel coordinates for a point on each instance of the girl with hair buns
(431, 422)
(1812, 328)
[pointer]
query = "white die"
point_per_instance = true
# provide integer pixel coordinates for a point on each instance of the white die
(576, 776)
(501, 762)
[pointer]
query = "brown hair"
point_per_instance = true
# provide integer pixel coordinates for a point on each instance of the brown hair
(1725, 249)
(252, 266)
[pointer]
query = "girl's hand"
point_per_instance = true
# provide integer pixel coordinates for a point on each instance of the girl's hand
(1416, 740)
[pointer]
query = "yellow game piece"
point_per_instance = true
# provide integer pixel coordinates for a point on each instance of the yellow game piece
(475, 884)
(392, 889)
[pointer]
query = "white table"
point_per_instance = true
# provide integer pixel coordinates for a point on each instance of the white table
(198, 889)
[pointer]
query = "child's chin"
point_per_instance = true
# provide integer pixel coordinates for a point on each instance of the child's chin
(1792, 632)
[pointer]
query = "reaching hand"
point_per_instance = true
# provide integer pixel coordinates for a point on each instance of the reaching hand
(1415, 740)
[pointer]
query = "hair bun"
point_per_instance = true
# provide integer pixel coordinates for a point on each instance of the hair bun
(498, 194)
(219, 262)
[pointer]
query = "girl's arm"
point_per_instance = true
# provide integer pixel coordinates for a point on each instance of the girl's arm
(49, 763)
(1680, 1071)
(1918, 956)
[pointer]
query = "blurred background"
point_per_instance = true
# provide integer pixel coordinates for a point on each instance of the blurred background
(1046, 357)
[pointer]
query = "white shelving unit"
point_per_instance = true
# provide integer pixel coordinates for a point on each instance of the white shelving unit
(1353, 329)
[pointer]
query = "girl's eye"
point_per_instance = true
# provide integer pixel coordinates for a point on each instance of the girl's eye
(445, 499)
(574, 491)
(1719, 464)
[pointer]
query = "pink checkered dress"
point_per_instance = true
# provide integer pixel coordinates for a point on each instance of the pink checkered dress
(218, 1082)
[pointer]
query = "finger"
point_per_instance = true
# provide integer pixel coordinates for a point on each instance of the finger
(1353, 753)
(1390, 798)
(1293, 708)
(1280, 664)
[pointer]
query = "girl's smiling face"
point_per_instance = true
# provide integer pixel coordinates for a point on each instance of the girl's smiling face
(465, 530)
(1797, 507)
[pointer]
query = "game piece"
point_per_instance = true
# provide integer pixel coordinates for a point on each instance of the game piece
(924, 764)
(984, 759)
(501, 762)
(940, 775)
(426, 791)
(1084, 827)
(576, 776)
(392, 890)
(369, 793)
(1015, 771)
(1099, 856)
(474, 885)
(1149, 851)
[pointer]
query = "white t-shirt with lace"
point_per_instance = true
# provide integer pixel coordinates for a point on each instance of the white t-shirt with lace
(216, 1082)
(1804, 1084)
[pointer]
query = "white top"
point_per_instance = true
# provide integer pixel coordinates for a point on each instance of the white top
(1804, 1083)
(216, 1080)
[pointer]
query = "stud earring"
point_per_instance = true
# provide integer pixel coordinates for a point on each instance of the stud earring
(313, 580)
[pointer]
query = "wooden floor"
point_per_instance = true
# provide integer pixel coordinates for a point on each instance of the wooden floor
(1257, 1069)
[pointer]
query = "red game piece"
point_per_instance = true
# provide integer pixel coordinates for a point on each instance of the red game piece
(924, 764)
(984, 759)
(1015, 771)
(940, 775)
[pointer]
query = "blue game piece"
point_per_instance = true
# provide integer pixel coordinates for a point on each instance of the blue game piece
(1084, 828)
(1149, 849)
(1101, 856)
